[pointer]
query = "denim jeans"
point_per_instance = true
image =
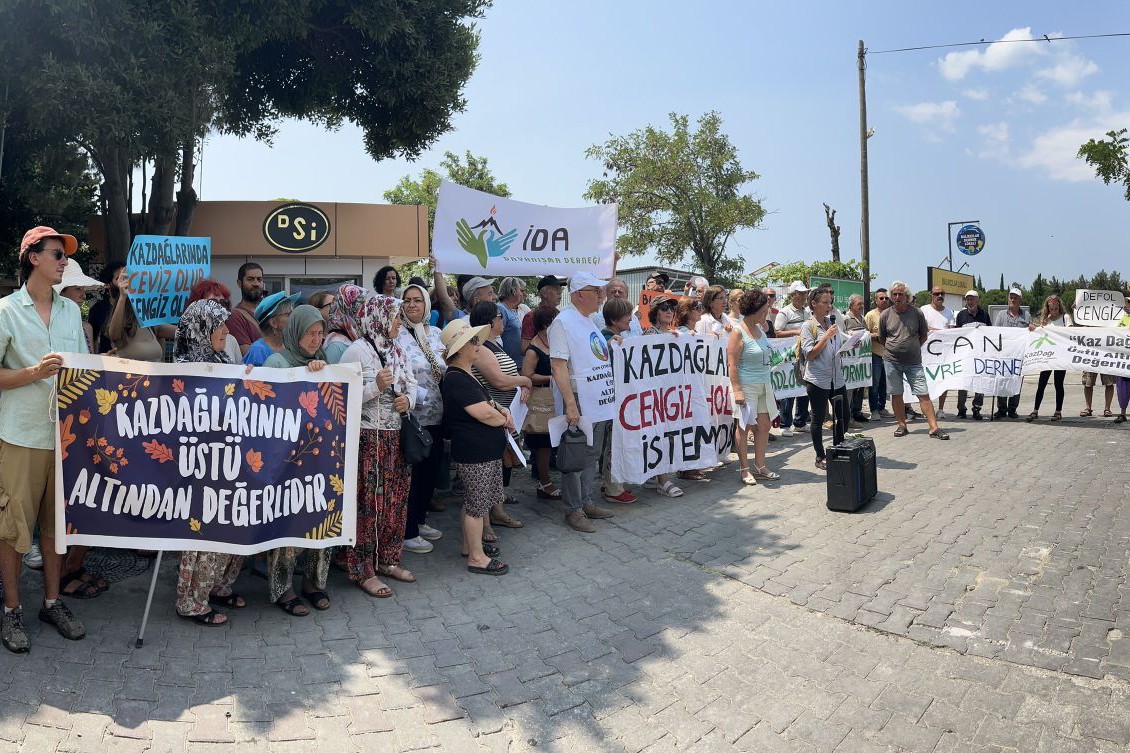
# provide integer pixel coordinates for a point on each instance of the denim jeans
(877, 393)
(787, 405)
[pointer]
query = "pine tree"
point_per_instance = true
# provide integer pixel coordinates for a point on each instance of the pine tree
(980, 285)
(1002, 287)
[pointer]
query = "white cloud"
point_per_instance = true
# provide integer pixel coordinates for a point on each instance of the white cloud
(1031, 94)
(1069, 70)
(996, 142)
(1099, 101)
(978, 94)
(934, 114)
(998, 56)
(997, 132)
(1053, 151)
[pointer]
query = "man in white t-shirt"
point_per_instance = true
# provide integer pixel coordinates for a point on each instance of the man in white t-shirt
(939, 316)
(581, 369)
(787, 324)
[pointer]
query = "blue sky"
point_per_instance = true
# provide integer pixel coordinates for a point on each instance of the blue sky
(971, 133)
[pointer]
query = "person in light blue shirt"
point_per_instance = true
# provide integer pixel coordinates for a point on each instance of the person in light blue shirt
(37, 326)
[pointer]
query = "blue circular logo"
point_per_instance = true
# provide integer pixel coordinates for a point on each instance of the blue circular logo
(970, 240)
(599, 348)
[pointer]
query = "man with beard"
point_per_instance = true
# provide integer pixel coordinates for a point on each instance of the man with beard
(242, 323)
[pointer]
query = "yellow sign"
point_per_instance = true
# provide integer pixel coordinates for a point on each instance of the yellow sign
(951, 282)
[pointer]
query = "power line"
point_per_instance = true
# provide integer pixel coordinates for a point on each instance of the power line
(1044, 38)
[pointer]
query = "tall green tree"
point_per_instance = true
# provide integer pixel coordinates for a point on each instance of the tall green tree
(469, 170)
(1001, 286)
(804, 271)
(140, 81)
(1109, 158)
(678, 192)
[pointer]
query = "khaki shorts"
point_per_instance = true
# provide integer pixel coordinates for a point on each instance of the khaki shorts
(27, 494)
(1089, 379)
(760, 397)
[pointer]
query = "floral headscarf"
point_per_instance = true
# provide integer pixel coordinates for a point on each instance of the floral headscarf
(193, 341)
(374, 323)
(301, 319)
(420, 331)
(345, 309)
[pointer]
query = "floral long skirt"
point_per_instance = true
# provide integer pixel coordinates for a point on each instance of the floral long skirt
(203, 574)
(382, 505)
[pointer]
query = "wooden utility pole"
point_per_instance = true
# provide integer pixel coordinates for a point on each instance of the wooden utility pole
(864, 218)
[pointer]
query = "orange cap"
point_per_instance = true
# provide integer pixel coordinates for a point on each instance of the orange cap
(36, 234)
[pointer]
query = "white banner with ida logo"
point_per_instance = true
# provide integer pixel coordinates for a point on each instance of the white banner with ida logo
(482, 234)
(673, 407)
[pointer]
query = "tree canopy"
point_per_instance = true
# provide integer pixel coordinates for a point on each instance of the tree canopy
(678, 192)
(1109, 158)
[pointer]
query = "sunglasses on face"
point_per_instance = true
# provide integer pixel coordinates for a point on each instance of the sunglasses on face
(938, 295)
(57, 253)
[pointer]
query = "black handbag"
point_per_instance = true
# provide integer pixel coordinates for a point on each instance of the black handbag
(572, 452)
(415, 440)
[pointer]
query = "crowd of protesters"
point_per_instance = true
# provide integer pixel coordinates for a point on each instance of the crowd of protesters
(452, 359)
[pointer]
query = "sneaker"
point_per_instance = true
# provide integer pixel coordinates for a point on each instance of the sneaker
(787, 431)
(623, 498)
(418, 545)
(977, 415)
(13, 632)
(962, 414)
(861, 418)
(799, 426)
(597, 513)
(429, 533)
(63, 619)
(940, 414)
(578, 522)
(34, 558)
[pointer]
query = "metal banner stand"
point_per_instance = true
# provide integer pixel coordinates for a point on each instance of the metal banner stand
(148, 601)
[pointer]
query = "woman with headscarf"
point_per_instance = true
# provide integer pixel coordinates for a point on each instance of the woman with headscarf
(422, 345)
(205, 577)
(388, 391)
(302, 347)
(341, 320)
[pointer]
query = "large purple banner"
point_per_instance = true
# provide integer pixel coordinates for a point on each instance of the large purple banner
(205, 456)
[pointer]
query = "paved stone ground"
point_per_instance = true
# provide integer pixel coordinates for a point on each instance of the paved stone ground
(978, 605)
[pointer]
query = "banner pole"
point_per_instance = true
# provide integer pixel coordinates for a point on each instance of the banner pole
(148, 602)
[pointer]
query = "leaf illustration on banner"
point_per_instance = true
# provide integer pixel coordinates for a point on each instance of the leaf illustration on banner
(106, 400)
(309, 401)
(178, 385)
(254, 460)
(229, 389)
(336, 484)
(157, 451)
(334, 399)
(66, 436)
(331, 505)
(73, 383)
(84, 416)
(327, 529)
(261, 390)
(194, 524)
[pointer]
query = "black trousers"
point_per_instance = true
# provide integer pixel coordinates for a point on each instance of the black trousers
(1043, 383)
(818, 398)
(978, 401)
(424, 477)
(1008, 405)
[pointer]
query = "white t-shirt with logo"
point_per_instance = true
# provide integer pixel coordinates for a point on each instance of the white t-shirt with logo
(935, 319)
(574, 338)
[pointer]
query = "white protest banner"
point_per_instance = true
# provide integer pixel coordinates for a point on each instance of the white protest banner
(987, 360)
(782, 374)
(194, 456)
(483, 234)
(673, 406)
(1098, 308)
(161, 272)
(1104, 351)
(856, 361)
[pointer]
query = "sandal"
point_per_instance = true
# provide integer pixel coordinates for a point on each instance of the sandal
(939, 434)
(748, 478)
(668, 489)
(1107, 414)
(1086, 413)
(505, 520)
(294, 607)
(901, 431)
(490, 537)
(693, 476)
(95, 580)
(232, 600)
(380, 591)
(84, 590)
(318, 598)
(208, 618)
(548, 491)
(765, 473)
(822, 464)
(1032, 416)
(396, 572)
(494, 567)
(507, 499)
(1057, 416)
(489, 550)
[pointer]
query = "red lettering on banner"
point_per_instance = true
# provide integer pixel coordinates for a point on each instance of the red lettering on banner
(658, 406)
